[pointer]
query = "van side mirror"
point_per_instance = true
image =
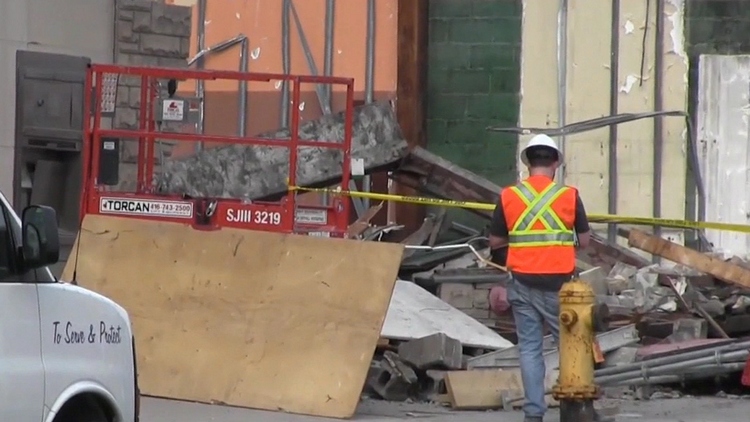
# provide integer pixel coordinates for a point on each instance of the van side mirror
(41, 241)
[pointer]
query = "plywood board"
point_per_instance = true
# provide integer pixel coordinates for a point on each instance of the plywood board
(414, 313)
(251, 319)
(482, 389)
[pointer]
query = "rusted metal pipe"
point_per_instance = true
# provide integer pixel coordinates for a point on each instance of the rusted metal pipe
(614, 64)
(658, 122)
(285, 63)
(200, 87)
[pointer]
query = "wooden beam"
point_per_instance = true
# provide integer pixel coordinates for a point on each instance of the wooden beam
(411, 91)
(724, 271)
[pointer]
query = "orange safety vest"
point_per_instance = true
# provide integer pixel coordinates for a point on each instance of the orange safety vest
(540, 215)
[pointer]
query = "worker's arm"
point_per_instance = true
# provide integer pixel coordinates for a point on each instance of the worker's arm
(498, 236)
(582, 228)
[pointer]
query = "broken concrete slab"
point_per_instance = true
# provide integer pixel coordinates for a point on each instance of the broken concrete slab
(436, 351)
(414, 313)
(617, 285)
(254, 172)
(621, 356)
(433, 385)
(688, 329)
(597, 279)
(625, 301)
(621, 278)
(622, 270)
(391, 381)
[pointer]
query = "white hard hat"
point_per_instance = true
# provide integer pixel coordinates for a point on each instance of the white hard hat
(540, 140)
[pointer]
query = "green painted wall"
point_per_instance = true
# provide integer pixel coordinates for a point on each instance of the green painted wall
(473, 82)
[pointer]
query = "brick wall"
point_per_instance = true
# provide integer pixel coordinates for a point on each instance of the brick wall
(471, 298)
(473, 82)
(147, 33)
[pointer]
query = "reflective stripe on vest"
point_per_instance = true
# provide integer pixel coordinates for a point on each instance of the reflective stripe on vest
(538, 208)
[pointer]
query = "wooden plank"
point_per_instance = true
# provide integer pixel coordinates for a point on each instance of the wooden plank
(722, 270)
(482, 389)
(358, 227)
(241, 317)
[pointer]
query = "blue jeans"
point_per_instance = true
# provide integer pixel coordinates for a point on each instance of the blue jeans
(531, 309)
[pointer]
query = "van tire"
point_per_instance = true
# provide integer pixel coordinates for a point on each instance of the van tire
(90, 412)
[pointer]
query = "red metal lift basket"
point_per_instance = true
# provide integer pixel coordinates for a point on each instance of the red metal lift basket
(283, 216)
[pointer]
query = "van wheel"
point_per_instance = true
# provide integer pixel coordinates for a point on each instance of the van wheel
(90, 412)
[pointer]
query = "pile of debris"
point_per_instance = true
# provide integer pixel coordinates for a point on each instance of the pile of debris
(670, 323)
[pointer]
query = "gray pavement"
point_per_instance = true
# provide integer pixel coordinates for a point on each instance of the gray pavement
(671, 410)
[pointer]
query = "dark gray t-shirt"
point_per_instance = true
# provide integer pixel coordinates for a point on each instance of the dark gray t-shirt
(546, 282)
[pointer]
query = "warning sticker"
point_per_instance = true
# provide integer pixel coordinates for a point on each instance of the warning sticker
(310, 216)
(173, 110)
(145, 207)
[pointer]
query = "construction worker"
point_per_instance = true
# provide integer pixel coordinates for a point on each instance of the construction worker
(540, 222)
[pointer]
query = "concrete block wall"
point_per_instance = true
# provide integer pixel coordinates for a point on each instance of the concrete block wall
(147, 33)
(470, 298)
(474, 82)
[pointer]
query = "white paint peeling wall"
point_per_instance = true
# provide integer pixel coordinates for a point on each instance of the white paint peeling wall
(724, 147)
(588, 96)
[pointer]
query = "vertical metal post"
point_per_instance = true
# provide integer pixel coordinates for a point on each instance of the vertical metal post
(328, 70)
(347, 144)
(285, 62)
(658, 122)
(369, 80)
(319, 88)
(242, 97)
(96, 137)
(142, 126)
(328, 54)
(150, 139)
(293, 147)
(87, 140)
(562, 77)
(614, 65)
(200, 87)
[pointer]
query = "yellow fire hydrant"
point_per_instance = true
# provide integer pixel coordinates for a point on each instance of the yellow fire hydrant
(575, 388)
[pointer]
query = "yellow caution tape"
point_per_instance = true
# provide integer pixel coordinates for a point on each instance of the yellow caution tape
(593, 218)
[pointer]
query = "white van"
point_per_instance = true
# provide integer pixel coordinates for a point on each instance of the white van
(66, 353)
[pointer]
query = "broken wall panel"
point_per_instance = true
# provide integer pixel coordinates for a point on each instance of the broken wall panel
(588, 92)
(253, 172)
(724, 151)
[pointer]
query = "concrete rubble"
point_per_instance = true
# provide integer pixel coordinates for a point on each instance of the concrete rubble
(670, 324)
(257, 172)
